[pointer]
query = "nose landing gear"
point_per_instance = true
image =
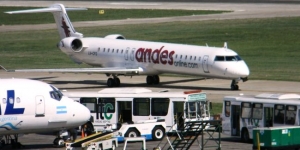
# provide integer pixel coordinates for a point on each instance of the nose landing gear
(234, 85)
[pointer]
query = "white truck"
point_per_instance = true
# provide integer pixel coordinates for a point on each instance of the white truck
(150, 129)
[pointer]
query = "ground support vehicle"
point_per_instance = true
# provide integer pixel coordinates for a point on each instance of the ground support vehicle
(150, 129)
(97, 141)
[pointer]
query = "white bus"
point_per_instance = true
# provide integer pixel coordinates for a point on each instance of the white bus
(128, 105)
(242, 113)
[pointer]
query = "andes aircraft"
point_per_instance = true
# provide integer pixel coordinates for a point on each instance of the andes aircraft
(29, 106)
(115, 56)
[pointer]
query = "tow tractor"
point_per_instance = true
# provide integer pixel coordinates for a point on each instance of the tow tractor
(150, 129)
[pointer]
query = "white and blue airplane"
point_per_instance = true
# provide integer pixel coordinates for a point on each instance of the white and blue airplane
(115, 56)
(29, 106)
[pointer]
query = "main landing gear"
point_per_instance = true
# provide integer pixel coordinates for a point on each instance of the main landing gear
(113, 82)
(152, 79)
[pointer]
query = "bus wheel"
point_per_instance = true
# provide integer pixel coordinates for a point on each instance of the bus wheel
(245, 135)
(132, 133)
(158, 133)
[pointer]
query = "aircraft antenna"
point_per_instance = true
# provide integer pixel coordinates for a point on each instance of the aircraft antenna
(225, 44)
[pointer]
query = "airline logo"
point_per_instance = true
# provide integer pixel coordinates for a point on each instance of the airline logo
(162, 56)
(65, 27)
(61, 109)
(10, 102)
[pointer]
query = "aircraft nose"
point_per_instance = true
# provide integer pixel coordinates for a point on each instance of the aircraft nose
(243, 70)
(81, 114)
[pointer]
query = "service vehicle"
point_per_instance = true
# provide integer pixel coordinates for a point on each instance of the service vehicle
(129, 105)
(241, 114)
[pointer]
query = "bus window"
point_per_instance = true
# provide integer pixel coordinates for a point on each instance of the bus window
(279, 114)
(191, 109)
(246, 110)
(90, 103)
(141, 106)
(257, 111)
(107, 104)
(227, 108)
(290, 114)
(159, 106)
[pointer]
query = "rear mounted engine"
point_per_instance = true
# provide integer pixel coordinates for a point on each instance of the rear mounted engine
(72, 43)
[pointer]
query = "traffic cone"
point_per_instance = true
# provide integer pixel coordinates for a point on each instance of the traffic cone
(82, 133)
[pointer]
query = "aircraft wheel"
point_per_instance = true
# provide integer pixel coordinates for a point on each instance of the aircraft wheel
(131, 133)
(234, 87)
(117, 82)
(158, 133)
(150, 80)
(59, 142)
(156, 79)
(110, 82)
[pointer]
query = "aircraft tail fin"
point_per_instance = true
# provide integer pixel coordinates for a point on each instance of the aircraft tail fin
(64, 25)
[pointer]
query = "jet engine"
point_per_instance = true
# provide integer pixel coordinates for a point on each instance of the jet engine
(72, 43)
(115, 36)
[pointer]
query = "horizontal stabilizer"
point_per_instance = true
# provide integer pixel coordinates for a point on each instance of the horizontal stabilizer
(41, 10)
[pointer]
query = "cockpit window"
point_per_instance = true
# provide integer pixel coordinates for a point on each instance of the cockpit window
(219, 58)
(55, 94)
(228, 58)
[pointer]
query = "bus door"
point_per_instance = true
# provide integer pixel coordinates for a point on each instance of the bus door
(178, 109)
(268, 116)
(124, 111)
(235, 120)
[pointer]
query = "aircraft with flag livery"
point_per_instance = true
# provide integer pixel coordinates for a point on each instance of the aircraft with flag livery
(29, 106)
(114, 55)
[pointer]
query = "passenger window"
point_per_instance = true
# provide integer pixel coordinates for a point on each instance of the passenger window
(191, 57)
(141, 106)
(246, 110)
(159, 106)
(279, 114)
(227, 108)
(290, 116)
(257, 111)
(89, 102)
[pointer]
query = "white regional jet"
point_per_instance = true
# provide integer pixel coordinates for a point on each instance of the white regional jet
(115, 56)
(29, 106)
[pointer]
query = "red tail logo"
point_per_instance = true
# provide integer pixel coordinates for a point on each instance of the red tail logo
(65, 27)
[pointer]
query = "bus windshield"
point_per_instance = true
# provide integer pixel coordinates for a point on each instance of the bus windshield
(196, 109)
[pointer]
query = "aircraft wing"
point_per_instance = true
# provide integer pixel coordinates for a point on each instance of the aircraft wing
(80, 70)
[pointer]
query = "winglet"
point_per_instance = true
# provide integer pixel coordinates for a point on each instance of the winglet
(3, 68)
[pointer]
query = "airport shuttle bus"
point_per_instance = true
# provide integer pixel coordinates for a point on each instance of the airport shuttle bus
(242, 113)
(129, 105)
